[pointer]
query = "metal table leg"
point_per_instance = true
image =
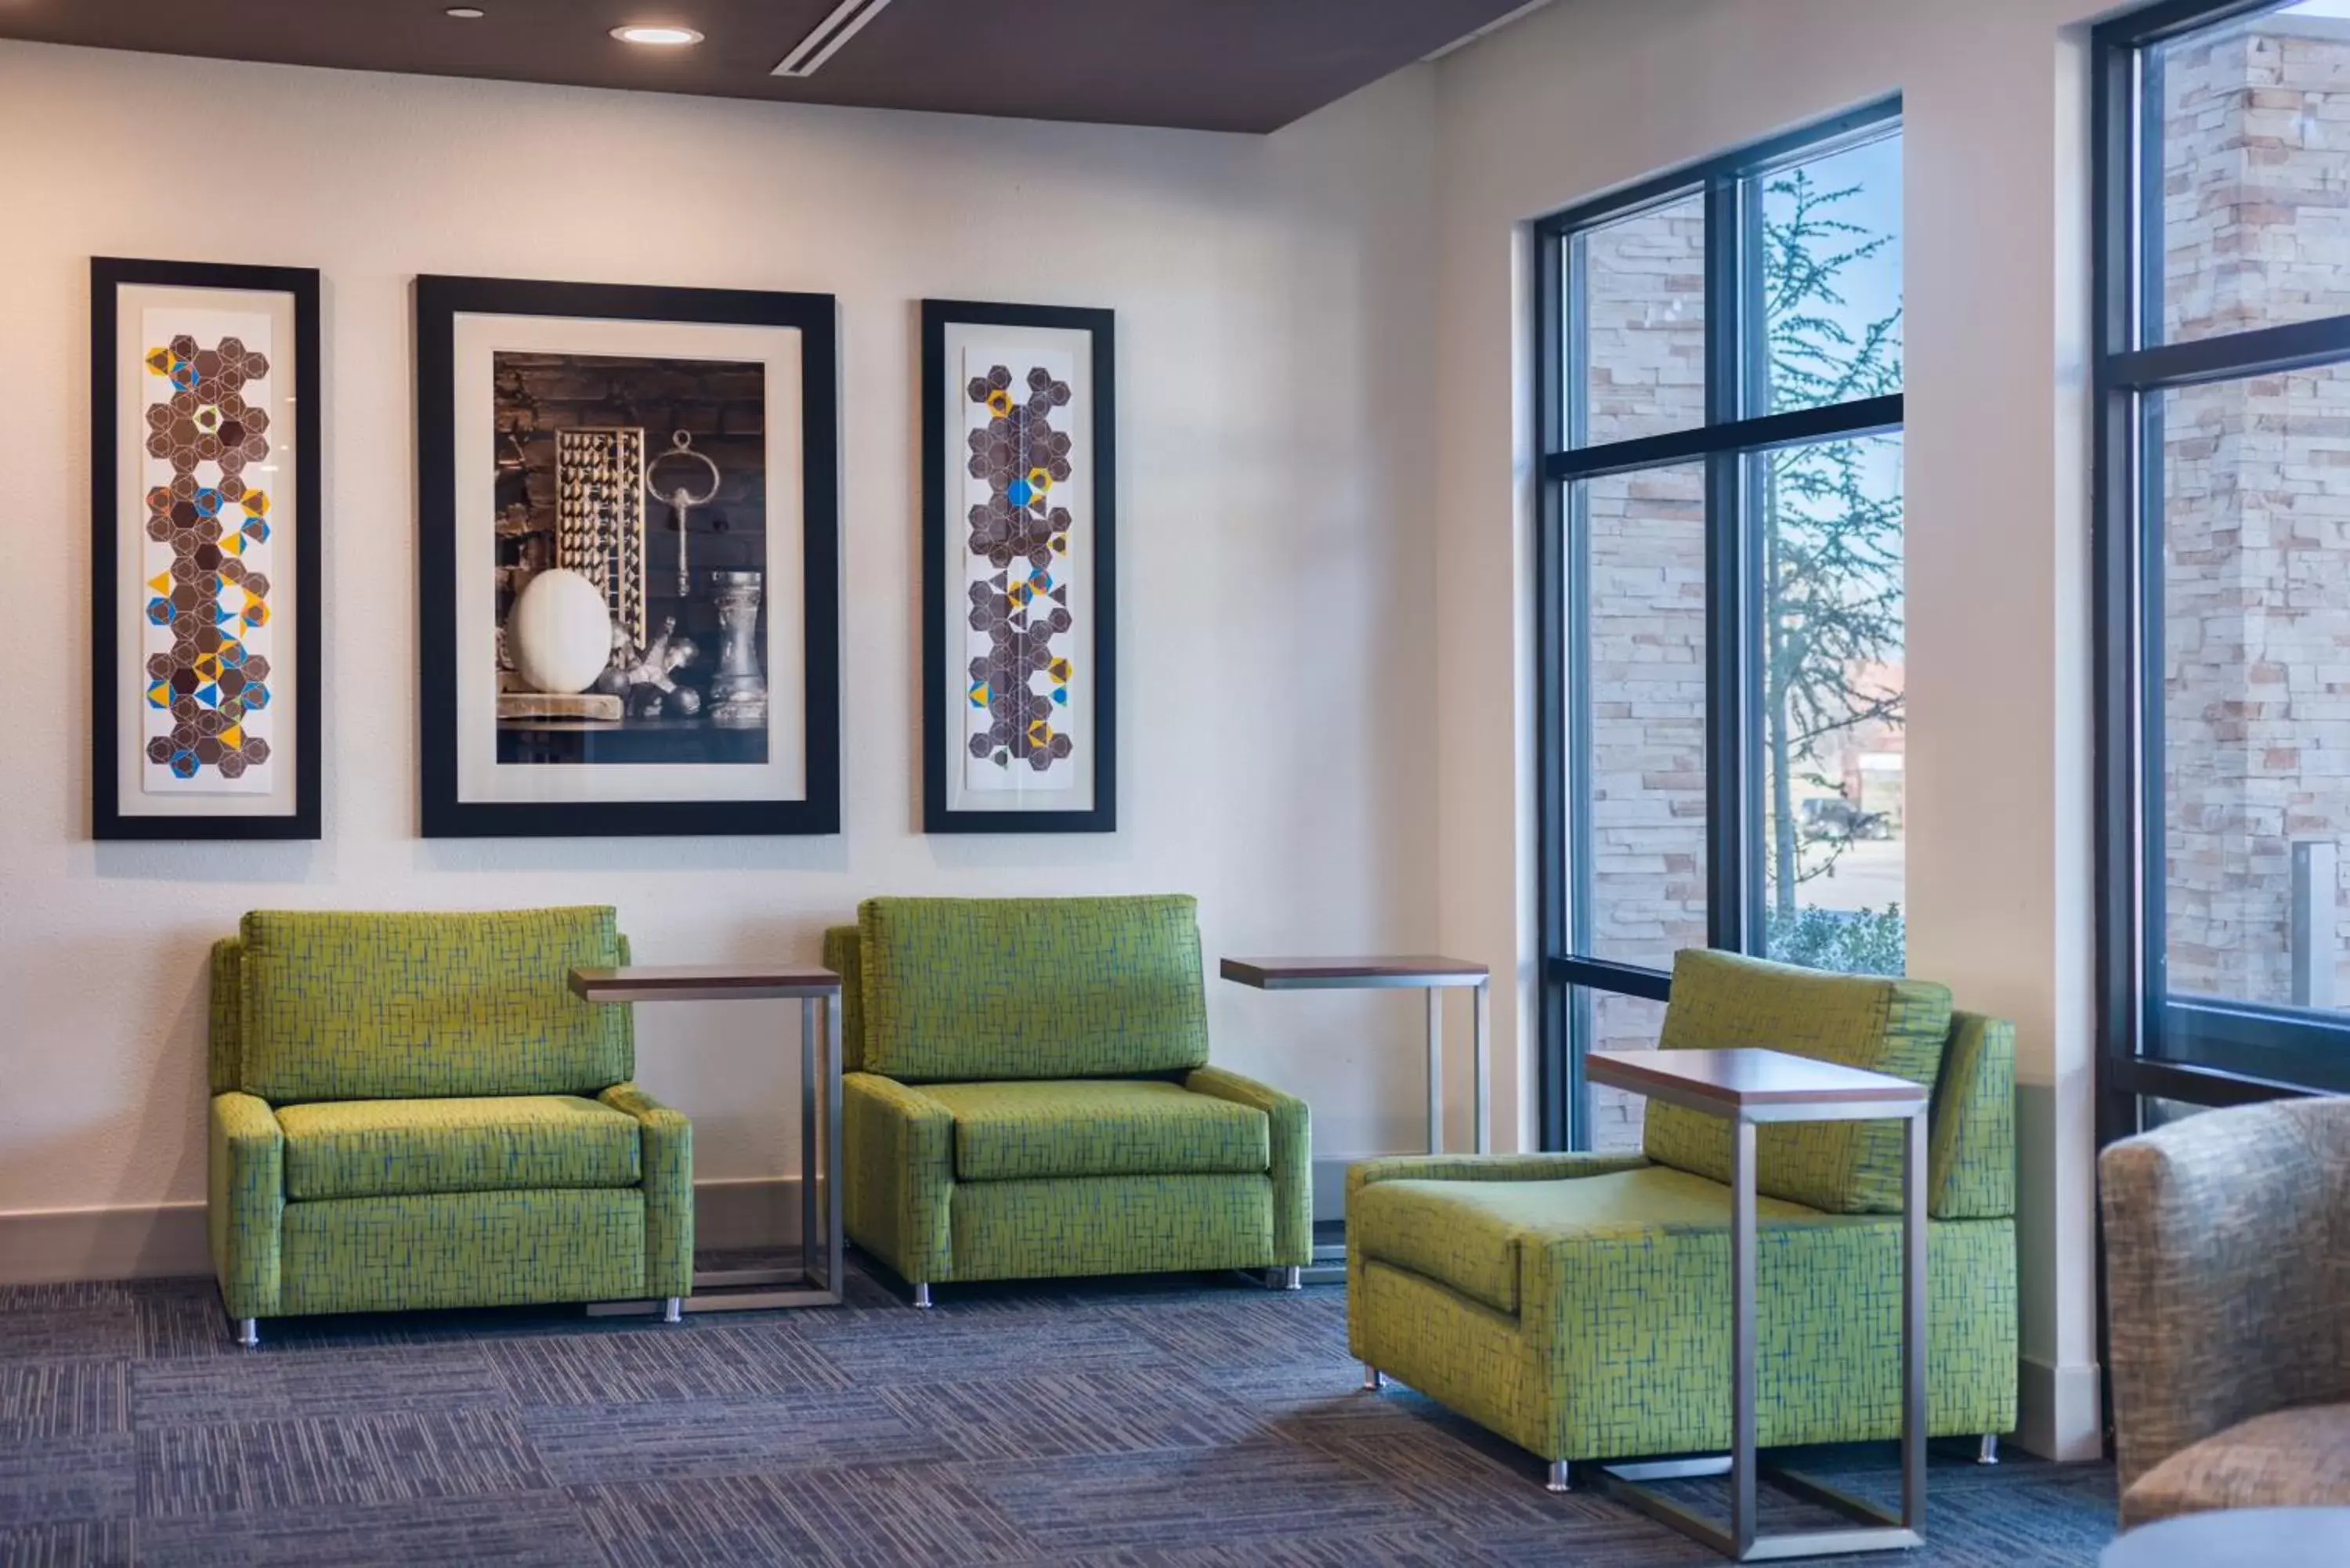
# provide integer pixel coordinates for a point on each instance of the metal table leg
(1484, 1069)
(1435, 1071)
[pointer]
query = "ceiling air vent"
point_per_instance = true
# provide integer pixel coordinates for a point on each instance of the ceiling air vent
(823, 42)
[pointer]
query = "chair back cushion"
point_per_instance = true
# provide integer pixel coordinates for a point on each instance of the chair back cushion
(337, 1006)
(1722, 1000)
(841, 957)
(965, 989)
(1974, 1122)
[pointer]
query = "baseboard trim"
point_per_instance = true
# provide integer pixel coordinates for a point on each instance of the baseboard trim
(59, 1246)
(166, 1241)
(2060, 1410)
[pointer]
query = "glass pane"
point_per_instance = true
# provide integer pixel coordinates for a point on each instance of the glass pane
(2255, 125)
(1830, 675)
(1831, 283)
(2255, 665)
(1637, 303)
(1614, 1022)
(1639, 892)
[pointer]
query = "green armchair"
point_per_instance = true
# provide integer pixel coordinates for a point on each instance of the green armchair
(1029, 1096)
(413, 1110)
(1579, 1304)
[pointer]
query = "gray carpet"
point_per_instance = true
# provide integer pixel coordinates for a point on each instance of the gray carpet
(1172, 1423)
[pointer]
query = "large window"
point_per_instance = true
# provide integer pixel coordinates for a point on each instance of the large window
(1721, 645)
(2223, 549)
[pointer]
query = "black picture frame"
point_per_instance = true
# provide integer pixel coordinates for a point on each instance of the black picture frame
(110, 820)
(941, 599)
(438, 301)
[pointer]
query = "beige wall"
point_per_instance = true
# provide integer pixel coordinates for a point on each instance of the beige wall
(1277, 647)
(1592, 94)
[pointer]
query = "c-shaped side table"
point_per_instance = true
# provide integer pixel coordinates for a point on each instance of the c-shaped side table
(1434, 975)
(817, 1281)
(1750, 1088)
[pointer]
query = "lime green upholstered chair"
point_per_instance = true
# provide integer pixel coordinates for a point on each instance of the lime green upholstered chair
(1029, 1096)
(413, 1110)
(1579, 1304)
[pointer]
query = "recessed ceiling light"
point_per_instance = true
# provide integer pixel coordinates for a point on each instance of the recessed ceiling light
(466, 13)
(663, 37)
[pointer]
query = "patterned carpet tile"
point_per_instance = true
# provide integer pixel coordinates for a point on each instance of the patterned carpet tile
(537, 1530)
(79, 1543)
(1073, 1415)
(45, 1480)
(902, 1346)
(1176, 1422)
(851, 1519)
(728, 1436)
(1260, 1487)
(46, 1400)
(1247, 1329)
(1416, 1548)
(59, 1331)
(362, 1381)
(701, 1359)
(328, 1462)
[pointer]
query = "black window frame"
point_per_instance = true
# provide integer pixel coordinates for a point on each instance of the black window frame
(1723, 442)
(2247, 1052)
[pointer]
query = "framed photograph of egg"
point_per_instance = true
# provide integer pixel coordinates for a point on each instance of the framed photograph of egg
(628, 560)
(1020, 568)
(204, 553)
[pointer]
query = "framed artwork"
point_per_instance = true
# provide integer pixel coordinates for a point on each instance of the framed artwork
(629, 561)
(204, 530)
(1019, 568)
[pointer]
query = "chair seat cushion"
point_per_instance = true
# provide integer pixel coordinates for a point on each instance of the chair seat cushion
(1469, 1234)
(2286, 1458)
(1097, 1127)
(387, 1148)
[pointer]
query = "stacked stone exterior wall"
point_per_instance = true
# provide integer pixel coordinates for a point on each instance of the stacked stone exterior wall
(1645, 643)
(2255, 501)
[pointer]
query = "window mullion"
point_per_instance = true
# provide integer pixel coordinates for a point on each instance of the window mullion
(1728, 901)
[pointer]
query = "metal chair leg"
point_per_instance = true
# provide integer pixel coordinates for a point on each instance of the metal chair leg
(1560, 1481)
(922, 1296)
(1373, 1378)
(1987, 1451)
(248, 1332)
(673, 1309)
(1279, 1278)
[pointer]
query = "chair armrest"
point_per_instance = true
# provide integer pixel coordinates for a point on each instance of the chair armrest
(1486, 1167)
(1292, 1157)
(897, 1159)
(246, 1208)
(667, 1140)
(2221, 1303)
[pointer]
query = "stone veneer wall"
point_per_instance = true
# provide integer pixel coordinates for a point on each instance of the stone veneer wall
(2256, 498)
(1646, 637)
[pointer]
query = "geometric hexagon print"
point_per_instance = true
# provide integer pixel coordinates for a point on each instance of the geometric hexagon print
(204, 680)
(1020, 559)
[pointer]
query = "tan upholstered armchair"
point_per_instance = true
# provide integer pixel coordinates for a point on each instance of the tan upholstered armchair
(2227, 1296)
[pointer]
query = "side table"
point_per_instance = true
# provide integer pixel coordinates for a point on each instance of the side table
(1749, 1088)
(1434, 975)
(817, 1280)
(2272, 1537)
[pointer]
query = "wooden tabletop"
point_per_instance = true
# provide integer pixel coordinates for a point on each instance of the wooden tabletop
(1342, 973)
(1747, 1079)
(703, 982)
